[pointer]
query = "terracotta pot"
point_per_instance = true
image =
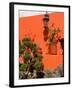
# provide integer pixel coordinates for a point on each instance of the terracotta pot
(52, 49)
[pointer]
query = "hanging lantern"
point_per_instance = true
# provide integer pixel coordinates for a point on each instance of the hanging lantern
(45, 21)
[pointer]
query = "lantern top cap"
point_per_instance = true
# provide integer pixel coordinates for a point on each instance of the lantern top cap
(46, 14)
(46, 17)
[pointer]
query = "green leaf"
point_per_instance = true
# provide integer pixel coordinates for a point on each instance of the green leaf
(27, 56)
(34, 48)
(39, 56)
(21, 48)
(26, 39)
(35, 59)
(27, 42)
(38, 65)
(23, 67)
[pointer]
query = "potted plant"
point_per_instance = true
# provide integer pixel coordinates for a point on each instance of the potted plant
(52, 41)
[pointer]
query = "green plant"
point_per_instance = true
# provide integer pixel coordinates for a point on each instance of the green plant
(32, 56)
(48, 74)
(58, 72)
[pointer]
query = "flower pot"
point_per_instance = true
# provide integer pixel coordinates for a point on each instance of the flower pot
(52, 48)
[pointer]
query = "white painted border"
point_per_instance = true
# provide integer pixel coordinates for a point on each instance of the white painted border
(24, 13)
(16, 45)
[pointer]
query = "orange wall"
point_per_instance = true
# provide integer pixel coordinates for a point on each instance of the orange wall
(33, 26)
